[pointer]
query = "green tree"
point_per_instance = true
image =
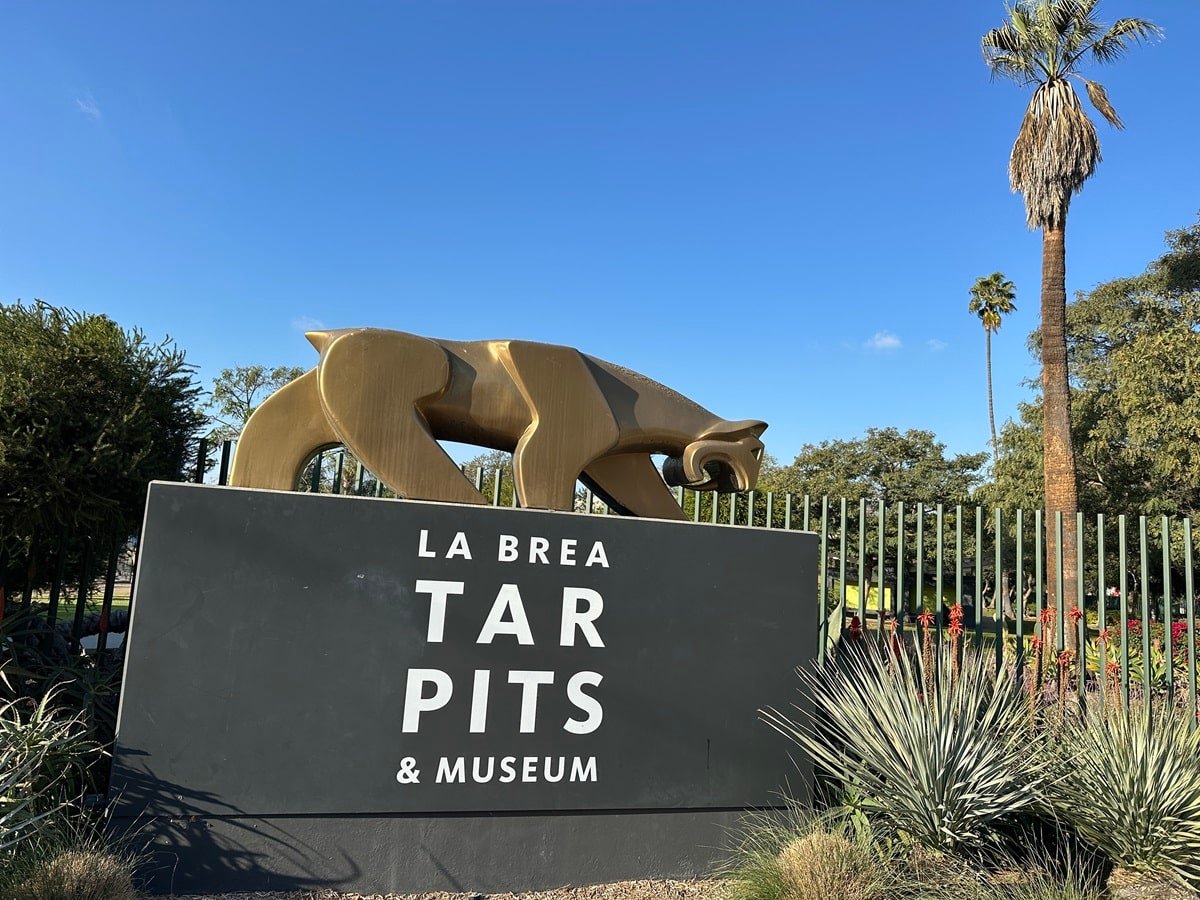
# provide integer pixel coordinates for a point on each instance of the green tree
(1134, 357)
(1045, 43)
(89, 414)
(237, 392)
(992, 299)
(884, 465)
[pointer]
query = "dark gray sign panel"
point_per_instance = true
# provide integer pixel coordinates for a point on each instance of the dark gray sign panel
(293, 654)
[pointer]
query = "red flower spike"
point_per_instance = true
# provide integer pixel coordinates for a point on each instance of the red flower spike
(1065, 658)
(1104, 636)
(1046, 616)
(1075, 615)
(956, 629)
(926, 618)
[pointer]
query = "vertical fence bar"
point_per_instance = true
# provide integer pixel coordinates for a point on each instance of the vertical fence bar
(110, 583)
(1189, 598)
(60, 563)
(787, 512)
(997, 592)
(201, 461)
(1059, 600)
(941, 554)
(496, 479)
(862, 556)
(315, 482)
(880, 556)
(85, 581)
(807, 505)
(978, 579)
(360, 473)
(1101, 610)
(337, 475)
(1123, 550)
(1144, 574)
(716, 503)
(1081, 605)
(919, 553)
(696, 495)
(750, 498)
(1038, 572)
(898, 605)
(770, 509)
(841, 555)
(823, 579)
(733, 498)
(226, 453)
(958, 556)
(1019, 589)
(1168, 642)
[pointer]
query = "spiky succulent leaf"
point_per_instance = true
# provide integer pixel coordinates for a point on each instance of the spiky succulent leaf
(944, 757)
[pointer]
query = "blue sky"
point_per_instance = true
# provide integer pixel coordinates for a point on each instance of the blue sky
(776, 208)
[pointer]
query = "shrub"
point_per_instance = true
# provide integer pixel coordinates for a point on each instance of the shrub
(798, 858)
(938, 751)
(87, 874)
(1136, 796)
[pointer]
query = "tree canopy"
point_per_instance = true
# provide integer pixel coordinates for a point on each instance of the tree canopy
(237, 392)
(89, 414)
(885, 464)
(1134, 356)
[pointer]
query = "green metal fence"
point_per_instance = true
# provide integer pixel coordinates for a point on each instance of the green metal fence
(884, 568)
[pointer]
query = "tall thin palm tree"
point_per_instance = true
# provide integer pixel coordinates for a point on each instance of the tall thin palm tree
(992, 299)
(1045, 43)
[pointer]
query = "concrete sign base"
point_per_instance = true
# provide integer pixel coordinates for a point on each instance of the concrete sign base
(376, 695)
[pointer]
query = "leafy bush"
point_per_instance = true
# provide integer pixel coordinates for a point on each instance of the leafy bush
(89, 413)
(937, 751)
(1137, 795)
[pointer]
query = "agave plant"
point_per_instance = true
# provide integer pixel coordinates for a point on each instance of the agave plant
(1139, 802)
(941, 750)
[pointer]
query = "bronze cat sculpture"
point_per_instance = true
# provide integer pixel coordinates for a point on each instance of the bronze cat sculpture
(389, 396)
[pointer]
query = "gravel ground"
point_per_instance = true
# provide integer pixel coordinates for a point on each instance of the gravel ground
(624, 890)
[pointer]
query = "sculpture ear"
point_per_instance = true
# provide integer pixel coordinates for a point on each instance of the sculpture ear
(732, 431)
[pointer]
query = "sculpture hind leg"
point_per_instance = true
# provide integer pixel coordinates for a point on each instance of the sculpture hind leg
(630, 483)
(281, 436)
(372, 384)
(571, 425)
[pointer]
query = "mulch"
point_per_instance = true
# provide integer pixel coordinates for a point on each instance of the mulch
(624, 890)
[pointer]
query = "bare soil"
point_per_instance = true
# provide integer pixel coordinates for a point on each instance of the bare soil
(623, 890)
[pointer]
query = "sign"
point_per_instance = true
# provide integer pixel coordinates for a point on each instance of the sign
(302, 655)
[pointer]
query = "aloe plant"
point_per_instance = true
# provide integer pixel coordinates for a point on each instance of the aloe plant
(941, 750)
(40, 751)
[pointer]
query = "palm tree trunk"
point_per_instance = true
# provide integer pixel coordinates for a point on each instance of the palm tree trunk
(991, 408)
(1058, 451)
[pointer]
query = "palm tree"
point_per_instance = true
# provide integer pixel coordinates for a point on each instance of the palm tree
(1045, 43)
(992, 299)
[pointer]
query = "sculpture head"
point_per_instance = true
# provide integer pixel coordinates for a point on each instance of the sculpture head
(724, 458)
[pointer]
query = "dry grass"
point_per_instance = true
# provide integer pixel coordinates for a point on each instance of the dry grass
(78, 875)
(822, 865)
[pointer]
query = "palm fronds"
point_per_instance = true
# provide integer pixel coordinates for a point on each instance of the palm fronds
(1043, 42)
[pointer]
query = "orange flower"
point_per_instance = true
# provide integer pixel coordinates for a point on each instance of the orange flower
(1065, 658)
(956, 613)
(926, 618)
(1075, 615)
(1046, 616)
(1104, 636)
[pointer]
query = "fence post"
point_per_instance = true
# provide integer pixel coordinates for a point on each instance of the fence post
(201, 461)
